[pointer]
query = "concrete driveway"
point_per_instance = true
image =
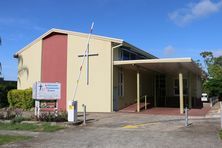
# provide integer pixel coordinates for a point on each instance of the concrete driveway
(117, 130)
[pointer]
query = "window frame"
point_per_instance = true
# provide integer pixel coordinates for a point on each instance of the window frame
(120, 83)
(185, 88)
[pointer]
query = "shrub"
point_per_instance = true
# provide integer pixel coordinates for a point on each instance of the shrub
(20, 99)
(4, 88)
(52, 117)
(9, 114)
(17, 119)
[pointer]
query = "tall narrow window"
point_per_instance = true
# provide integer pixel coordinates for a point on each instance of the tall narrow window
(120, 83)
(176, 87)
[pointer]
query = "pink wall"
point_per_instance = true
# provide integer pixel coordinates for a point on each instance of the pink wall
(54, 63)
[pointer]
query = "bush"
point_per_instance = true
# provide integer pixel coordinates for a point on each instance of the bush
(17, 119)
(52, 117)
(5, 86)
(20, 99)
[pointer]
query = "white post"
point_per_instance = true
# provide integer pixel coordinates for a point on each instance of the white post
(181, 92)
(38, 111)
(87, 65)
(138, 91)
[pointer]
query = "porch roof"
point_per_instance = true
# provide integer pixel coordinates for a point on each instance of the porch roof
(165, 65)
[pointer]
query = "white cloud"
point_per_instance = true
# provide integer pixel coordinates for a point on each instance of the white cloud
(217, 53)
(20, 23)
(169, 50)
(194, 11)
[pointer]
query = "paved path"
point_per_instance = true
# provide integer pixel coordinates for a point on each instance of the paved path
(215, 111)
(118, 130)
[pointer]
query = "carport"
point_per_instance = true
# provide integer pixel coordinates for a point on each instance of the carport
(177, 67)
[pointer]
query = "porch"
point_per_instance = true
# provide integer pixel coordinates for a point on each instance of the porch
(165, 83)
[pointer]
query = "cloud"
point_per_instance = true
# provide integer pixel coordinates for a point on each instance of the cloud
(169, 50)
(20, 23)
(217, 53)
(194, 11)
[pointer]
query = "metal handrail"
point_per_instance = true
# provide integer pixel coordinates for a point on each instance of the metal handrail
(145, 101)
(213, 100)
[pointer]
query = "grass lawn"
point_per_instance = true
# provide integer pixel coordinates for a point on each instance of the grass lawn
(220, 134)
(45, 127)
(8, 138)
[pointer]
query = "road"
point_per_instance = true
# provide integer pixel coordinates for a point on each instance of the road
(118, 130)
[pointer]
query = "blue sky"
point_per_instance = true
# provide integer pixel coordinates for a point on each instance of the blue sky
(165, 28)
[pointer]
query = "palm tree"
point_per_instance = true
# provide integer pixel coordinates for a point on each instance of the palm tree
(22, 69)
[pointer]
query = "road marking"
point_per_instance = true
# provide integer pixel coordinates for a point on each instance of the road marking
(138, 125)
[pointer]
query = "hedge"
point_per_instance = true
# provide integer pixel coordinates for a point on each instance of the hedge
(5, 86)
(20, 99)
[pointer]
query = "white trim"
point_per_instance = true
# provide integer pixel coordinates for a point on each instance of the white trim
(71, 33)
(150, 61)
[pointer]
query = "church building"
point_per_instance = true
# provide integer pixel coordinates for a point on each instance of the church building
(119, 73)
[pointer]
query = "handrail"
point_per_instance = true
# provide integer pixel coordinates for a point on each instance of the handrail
(145, 102)
(213, 100)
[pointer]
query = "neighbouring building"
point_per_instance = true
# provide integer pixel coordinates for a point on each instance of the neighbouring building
(120, 74)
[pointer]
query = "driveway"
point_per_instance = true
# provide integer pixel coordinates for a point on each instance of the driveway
(117, 130)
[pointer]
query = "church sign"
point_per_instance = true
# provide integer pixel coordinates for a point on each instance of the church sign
(46, 96)
(46, 91)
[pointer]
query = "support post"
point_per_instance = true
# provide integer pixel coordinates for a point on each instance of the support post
(181, 92)
(138, 91)
(190, 93)
(155, 90)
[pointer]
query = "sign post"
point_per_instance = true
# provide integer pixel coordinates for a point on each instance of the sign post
(46, 96)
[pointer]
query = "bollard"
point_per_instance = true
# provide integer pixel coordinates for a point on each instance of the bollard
(186, 117)
(84, 114)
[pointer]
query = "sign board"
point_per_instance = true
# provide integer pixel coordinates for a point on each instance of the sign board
(46, 91)
(204, 97)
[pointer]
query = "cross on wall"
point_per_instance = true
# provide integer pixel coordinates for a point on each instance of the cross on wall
(87, 55)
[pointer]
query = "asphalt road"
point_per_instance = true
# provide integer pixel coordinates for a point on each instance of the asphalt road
(118, 130)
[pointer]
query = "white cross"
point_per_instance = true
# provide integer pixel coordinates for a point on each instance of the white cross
(87, 63)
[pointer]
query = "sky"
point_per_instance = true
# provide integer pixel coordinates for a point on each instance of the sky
(164, 28)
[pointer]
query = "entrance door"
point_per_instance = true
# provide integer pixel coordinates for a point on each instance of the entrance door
(161, 90)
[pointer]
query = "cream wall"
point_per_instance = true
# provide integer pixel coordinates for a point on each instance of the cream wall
(97, 95)
(31, 63)
(129, 89)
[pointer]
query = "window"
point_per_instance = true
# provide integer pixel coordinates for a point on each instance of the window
(177, 89)
(127, 54)
(120, 83)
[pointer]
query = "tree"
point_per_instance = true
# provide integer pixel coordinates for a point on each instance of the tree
(213, 84)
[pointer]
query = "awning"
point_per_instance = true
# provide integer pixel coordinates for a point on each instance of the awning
(167, 65)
